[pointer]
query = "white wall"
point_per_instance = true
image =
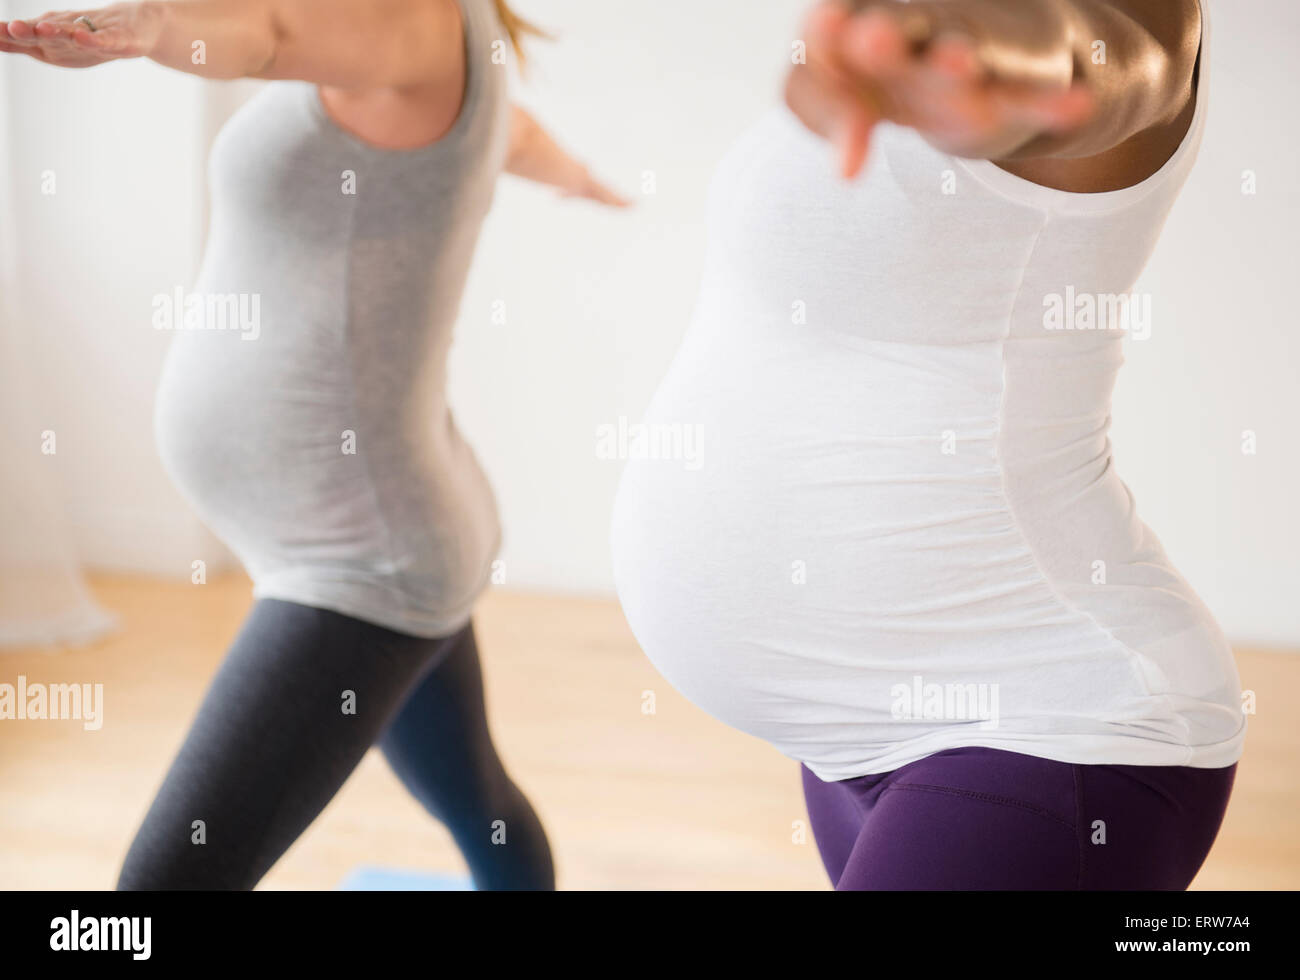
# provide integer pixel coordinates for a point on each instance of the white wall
(1228, 357)
(122, 146)
(597, 301)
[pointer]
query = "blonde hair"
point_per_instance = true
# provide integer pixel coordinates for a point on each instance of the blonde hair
(516, 27)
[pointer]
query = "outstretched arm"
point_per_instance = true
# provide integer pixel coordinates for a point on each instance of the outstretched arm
(345, 43)
(996, 79)
(535, 156)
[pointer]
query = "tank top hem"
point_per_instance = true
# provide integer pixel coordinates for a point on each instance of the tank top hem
(344, 601)
(1084, 750)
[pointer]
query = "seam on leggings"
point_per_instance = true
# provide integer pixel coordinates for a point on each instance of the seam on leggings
(985, 798)
(1081, 832)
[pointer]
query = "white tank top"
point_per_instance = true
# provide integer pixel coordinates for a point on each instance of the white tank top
(904, 531)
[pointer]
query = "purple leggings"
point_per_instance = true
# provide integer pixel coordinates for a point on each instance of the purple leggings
(977, 818)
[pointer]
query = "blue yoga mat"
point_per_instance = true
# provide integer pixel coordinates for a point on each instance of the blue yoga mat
(393, 880)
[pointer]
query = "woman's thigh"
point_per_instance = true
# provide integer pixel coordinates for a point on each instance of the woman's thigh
(976, 818)
(297, 702)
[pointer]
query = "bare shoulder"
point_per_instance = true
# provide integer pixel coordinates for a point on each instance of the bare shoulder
(1156, 81)
(1175, 21)
(1175, 25)
(1176, 28)
(439, 42)
(442, 23)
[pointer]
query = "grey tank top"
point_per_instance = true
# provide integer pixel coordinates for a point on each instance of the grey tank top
(302, 407)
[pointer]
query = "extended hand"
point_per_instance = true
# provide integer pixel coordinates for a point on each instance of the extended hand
(590, 189)
(83, 38)
(976, 79)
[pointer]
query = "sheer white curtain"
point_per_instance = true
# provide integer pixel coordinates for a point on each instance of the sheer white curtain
(43, 598)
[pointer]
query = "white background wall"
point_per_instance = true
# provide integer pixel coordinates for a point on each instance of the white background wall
(597, 301)
(122, 145)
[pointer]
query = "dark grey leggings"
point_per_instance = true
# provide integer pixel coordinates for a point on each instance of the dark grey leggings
(301, 696)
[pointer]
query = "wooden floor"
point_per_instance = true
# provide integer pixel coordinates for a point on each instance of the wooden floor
(670, 800)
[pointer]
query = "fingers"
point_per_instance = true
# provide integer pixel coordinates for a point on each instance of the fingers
(105, 40)
(825, 22)
(20, 31)
(66, 38)
(19, 40)
(924, 65)
(1074, 107)
(956, 58)
(7, 42)
(17, 43)
(43, 33)
(873, 44)
(8, 47)
(60, 28)
(853, 141)
(888, 43)
(610, 198)
(586, 187)
(897, 48)
(892, 59)
(45, 27)
(825, 94)
(51, 30)
(594, 190)
(1046, 111)
(607, 195)
(828, 107)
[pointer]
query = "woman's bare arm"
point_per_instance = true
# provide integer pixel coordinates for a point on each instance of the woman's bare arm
(535, 156)
(1135, 58)
(343, 43)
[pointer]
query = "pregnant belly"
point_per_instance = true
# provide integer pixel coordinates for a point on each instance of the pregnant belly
(851, 531)
(238, 429)
(843, 531)
(283, 468)
(759, 573)
(357, 493)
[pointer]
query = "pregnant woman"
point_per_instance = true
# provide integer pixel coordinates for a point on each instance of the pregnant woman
(905, 557)
(346, 200)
